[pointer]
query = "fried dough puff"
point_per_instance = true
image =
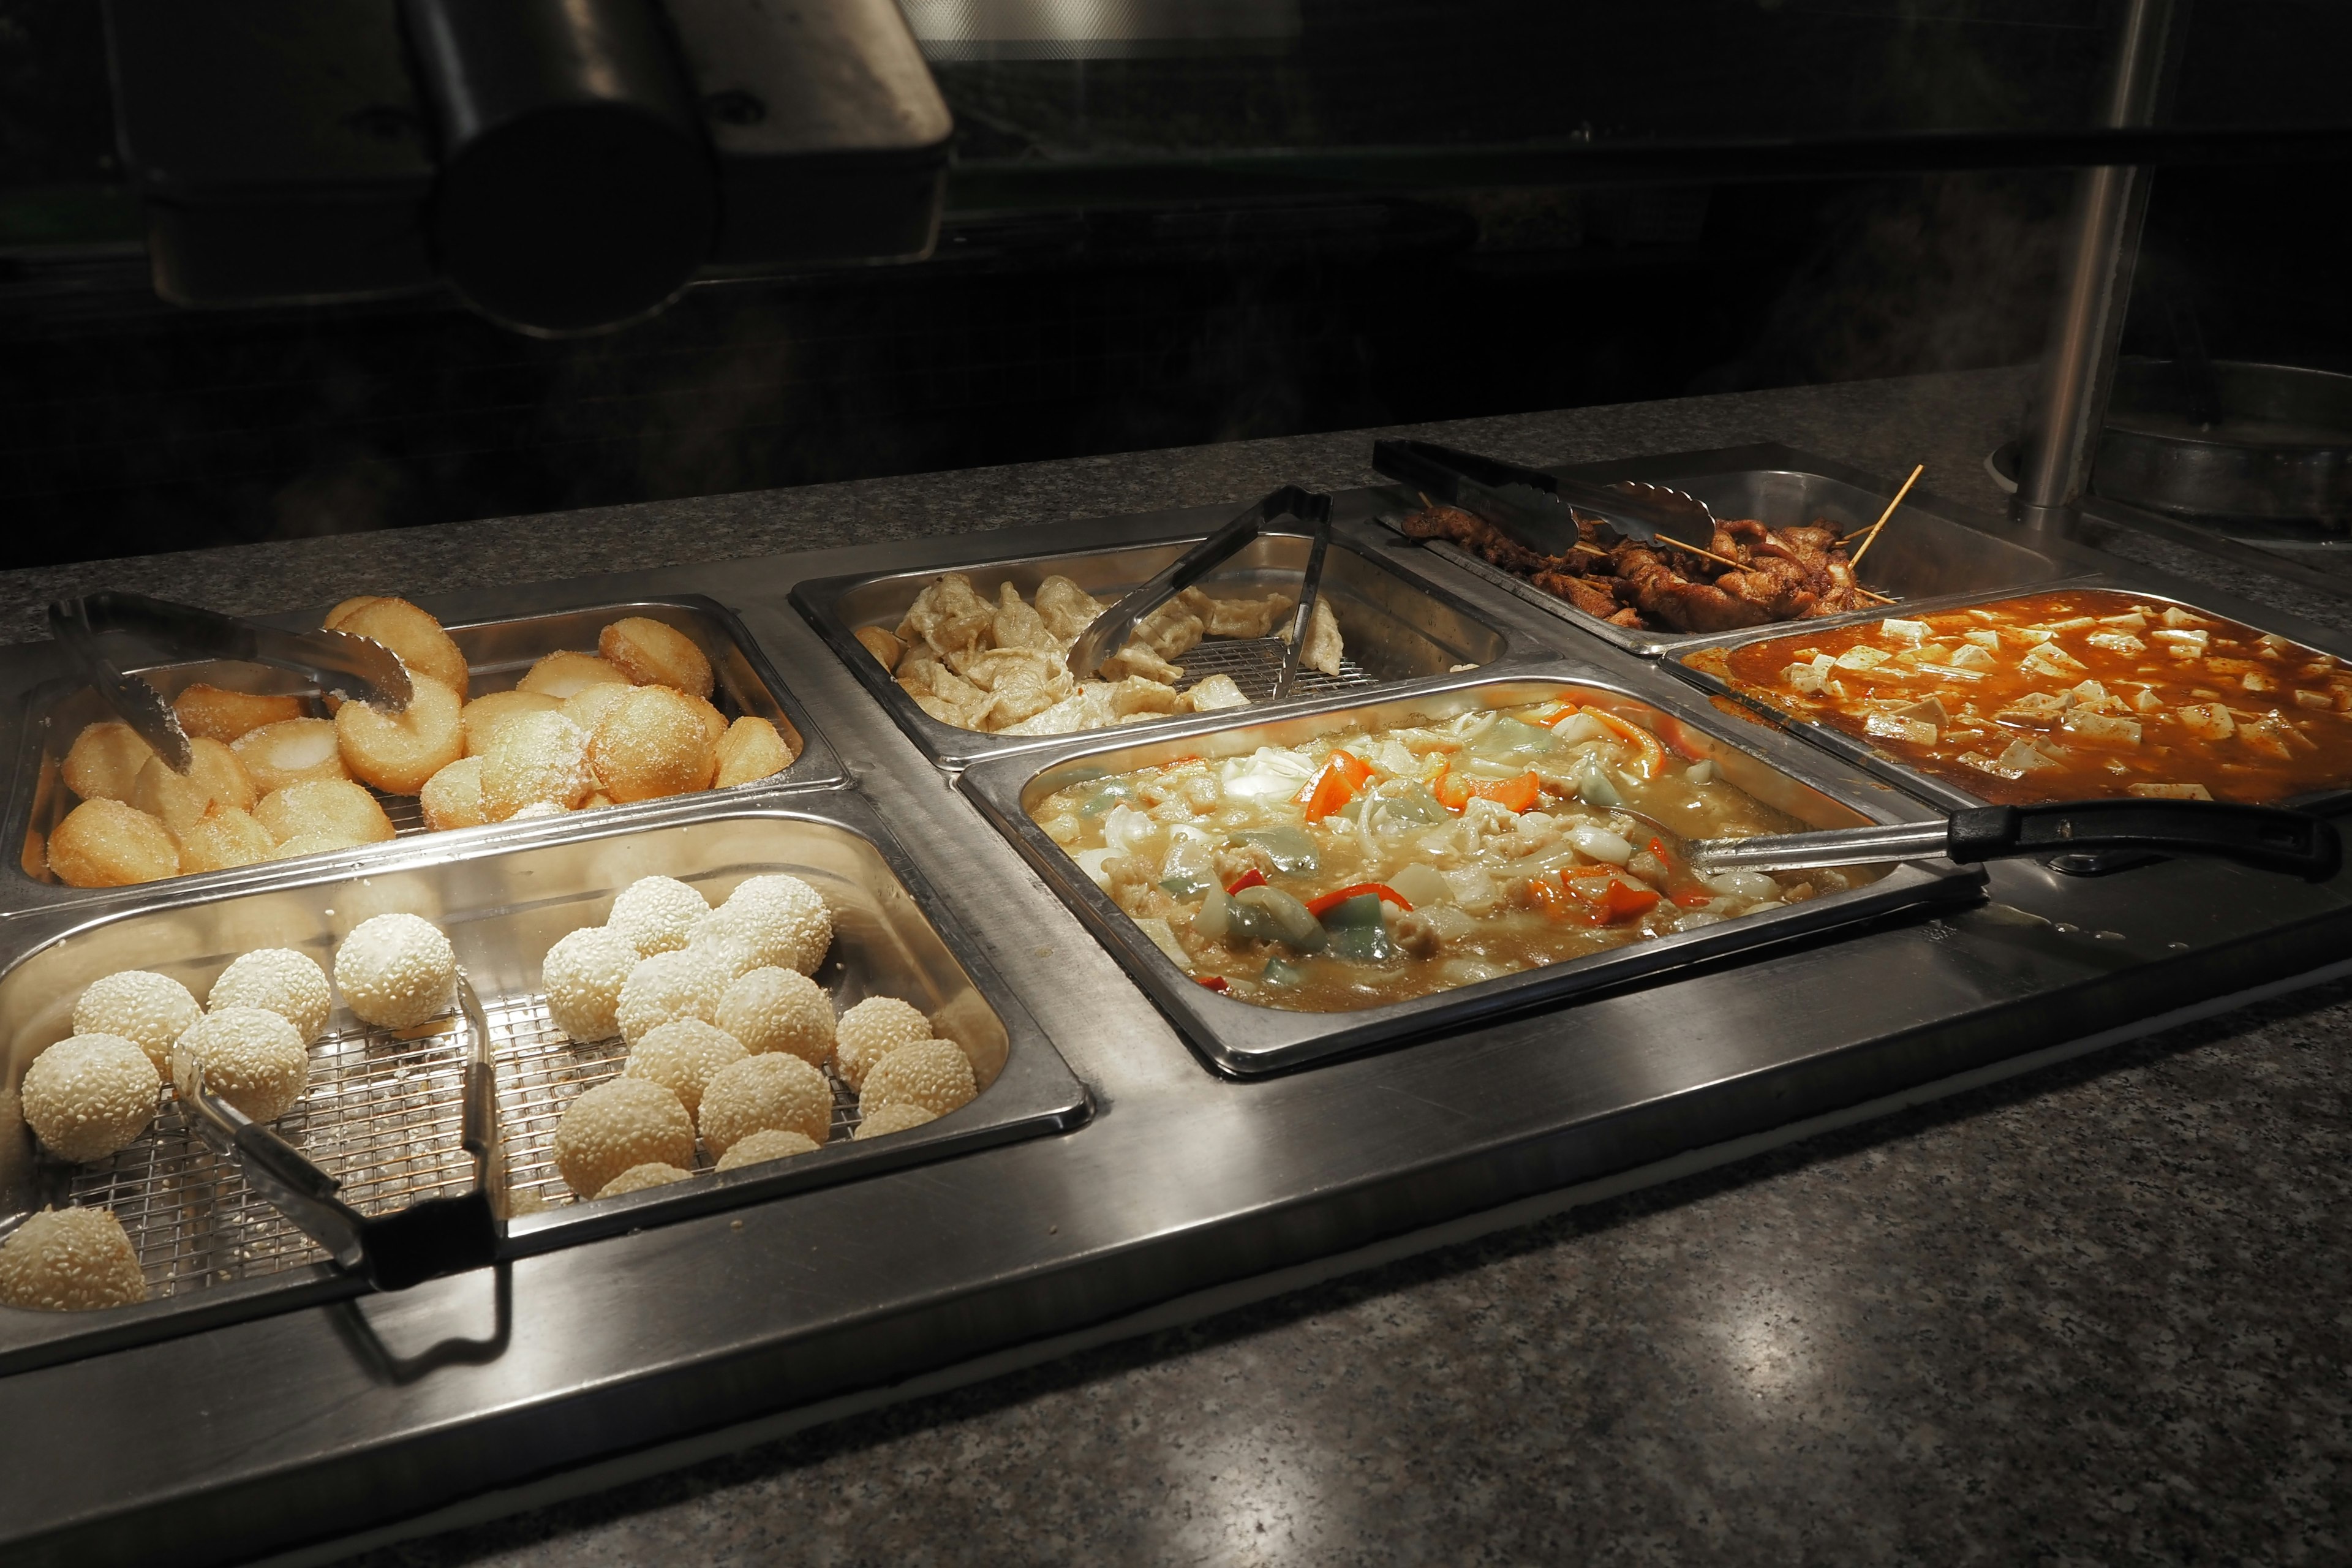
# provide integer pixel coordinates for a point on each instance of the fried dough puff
(452, 797)
(562, 675)
(652, 743)
(289, 752)
(751, 750)
(408, 631)
(221, 715)
(588, 706)
(222, 836)
(106, 844)
(484, 715)
(335, 810)
(398, 751)
(213, 774)
(537, 758)
(104, 762)
(653, 653)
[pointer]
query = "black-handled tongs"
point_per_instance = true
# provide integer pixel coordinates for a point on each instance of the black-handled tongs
(2268, 837)
(424, 1241)
(1109, 632)
(352, 666)
(1534, 507)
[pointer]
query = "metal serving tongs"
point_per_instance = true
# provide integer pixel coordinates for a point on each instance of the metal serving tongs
(1534, 508)
(429, 1239)
(1109, 632)
(2268, 837)
(354, 666)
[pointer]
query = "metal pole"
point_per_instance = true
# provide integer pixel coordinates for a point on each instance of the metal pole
(2101, 245)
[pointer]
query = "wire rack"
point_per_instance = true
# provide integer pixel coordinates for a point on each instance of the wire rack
(381, 1115)
(1254, 662)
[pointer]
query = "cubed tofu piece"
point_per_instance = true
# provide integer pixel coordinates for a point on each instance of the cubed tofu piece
(2027, 756)
(1862, 660)
(1974, 656)
(2103, 727)
(1908, 633)
(2174, 615)
(2170, 791)
(2051, 659)
(1894, 727)
(2116, 642)
(2207, 720)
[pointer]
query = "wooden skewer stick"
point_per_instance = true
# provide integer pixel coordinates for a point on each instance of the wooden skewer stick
(1872, 538)
(1695, 550)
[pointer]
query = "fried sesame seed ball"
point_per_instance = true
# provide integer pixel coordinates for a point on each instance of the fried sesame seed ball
(221, 837)
(212, 713)
(583, 975)
(762, 1093)
(176, 799)
(666, 987)
(252, 1057)
(408, 631)
(871, 1031)
(728, 954)
(621, 1122)
(933, 1074)
(396, 970)
(85, 1097)
(652, 743)
(333, 809)
(899, 1116)
(790, 916)
(653, 653)
(683, 1055)
(588, 706)
(769, 1143)
(637, 1178)
(291, 750)
(483, 717)
(71, 1260)
(398, 751)
(775, 1009)
(279, 980)
(657, 914)
(562, 675)
(535, 758)
(749, 750)
(452, 797)
(151, 1010)
(105, 844)
(104, 761)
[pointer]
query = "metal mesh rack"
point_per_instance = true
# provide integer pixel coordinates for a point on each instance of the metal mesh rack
(381, 1115)
(1254, 662)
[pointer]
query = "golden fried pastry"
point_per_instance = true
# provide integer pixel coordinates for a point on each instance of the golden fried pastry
(314, 844)
(220, 836)
(538, 759)
(452, 797)
(398, 751)
(35, 853)
(213, 774)
(714, 722)
(597, 802)
(105, 761)
(105, 844)
(652, 744)
(408, 631)
(221, 715)
(482, 716)
(562, 675)
(882, 646)
(289, 752)
(653, 653)
(588, 706)
(751, 750)
(332, 808)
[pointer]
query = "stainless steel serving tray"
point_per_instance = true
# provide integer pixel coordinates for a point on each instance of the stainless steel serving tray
(1941, 793)
(1933, 550)
(500, 652)
(382, 1110)
(1247, 1040)
(1397, 627)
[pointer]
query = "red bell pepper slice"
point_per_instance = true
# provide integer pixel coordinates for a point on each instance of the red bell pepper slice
(1323, 906)
(1252, 878)
(1213, 982)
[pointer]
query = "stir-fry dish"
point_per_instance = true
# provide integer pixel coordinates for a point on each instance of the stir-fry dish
(1000, 664)
(1760, 575)
(1367, 868)
(2059, 696)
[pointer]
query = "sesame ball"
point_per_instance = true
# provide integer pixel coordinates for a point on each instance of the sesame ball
(656, 914)
(683, 1055)
(933, 1074)
(637, 1178)
(149, 1009)
(791, 916)
(71, 1260)
(89, 1096)
(251, 1056)
(667, 986)
(725, 950)
(282, 981)
(779, 1010)
(622, 1123)
(773, 1143)
(762, 1093)
(583, 977)
(872, 1030)
(899, 1116)
(396, 970)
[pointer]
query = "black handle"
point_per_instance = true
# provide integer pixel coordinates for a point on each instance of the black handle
(2263, 837)
(1428, 466)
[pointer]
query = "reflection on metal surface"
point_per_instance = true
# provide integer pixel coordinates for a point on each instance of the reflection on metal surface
(1099, 29)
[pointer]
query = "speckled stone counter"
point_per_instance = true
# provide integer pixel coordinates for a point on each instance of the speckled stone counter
(2093, 1315)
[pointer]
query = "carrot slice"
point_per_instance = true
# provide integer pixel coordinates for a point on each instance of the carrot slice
(1252, 878)
(1329, 792)
(1213, 982)
(1653, 754)
(1323, 906)
(1451, 793)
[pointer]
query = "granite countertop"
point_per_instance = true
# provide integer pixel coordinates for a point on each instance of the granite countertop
(2095, 1314)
